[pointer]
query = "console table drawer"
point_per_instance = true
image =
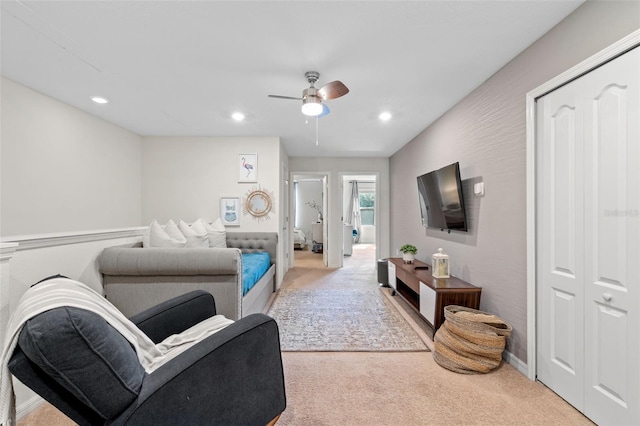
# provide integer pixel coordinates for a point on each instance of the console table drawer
(408, 279)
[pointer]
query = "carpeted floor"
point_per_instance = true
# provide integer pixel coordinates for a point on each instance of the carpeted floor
(409, 388)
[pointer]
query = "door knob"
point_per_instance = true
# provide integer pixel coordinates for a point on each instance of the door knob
(607, 297)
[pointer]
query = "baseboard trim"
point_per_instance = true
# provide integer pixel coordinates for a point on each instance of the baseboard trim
(507, 356)
(28, 406)
(515, 362)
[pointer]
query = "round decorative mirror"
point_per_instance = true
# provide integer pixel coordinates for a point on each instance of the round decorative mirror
(258, 203)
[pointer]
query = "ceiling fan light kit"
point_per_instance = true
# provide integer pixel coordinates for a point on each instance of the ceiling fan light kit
(312, 106)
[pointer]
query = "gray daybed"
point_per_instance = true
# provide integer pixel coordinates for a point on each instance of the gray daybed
(136, 278)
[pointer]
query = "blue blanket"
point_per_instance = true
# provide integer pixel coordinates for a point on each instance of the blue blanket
(254, 266)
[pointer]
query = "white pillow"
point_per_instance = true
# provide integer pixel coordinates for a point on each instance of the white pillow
(158, 237)
(173, 231)
(216, 232)
(196, 237)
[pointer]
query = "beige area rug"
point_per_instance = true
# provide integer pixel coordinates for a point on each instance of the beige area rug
(358, 318)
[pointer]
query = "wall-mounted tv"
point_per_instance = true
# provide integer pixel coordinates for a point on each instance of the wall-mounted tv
(441, 199)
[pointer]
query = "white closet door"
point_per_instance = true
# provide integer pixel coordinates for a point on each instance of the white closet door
(588, 209)
(560, 209)
(612, 229)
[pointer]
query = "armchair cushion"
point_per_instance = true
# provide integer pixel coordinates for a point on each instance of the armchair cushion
(96, 363)
(175, 315)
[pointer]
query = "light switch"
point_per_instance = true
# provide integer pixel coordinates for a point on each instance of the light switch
(478, 188)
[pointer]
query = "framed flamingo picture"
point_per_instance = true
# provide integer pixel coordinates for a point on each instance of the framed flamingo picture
(248, 168)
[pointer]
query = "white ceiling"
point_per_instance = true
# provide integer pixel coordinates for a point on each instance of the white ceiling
(182, 67)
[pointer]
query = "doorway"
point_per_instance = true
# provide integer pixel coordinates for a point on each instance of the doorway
(309, 206)
(359, 217)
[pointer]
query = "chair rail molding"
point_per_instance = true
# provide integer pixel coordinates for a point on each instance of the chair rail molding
(7, 250)
(36, 241)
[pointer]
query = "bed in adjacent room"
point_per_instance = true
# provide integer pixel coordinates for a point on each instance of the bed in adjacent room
(299, 239)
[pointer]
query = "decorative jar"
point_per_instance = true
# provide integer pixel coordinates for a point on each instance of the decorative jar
(440, 265)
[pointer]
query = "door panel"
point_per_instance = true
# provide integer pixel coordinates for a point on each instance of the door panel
(563, 333)
(610, 175)
(612, 229)
(610, 333)
(325, 222)
(563, 187)
(560, 295)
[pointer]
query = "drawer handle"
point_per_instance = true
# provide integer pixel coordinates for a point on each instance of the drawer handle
(607, 297)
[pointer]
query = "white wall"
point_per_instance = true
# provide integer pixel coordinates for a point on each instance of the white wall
(285, 244)
(485, 132)
(335, 168)
(185, 177)
(63, 169)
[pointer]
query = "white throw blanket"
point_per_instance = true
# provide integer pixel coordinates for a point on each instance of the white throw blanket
(65, 292)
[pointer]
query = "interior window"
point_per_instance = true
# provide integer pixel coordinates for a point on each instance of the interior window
(367, 207)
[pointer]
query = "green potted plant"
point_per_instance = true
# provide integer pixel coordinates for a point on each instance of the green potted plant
(408, 253)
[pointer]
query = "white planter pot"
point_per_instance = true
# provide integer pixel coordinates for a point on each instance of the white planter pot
(408, 257)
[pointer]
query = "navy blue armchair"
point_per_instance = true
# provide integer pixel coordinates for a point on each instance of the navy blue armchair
(75, 360)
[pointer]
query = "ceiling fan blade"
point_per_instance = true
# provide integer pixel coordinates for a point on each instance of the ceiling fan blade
(284, 97)
(333, 90)
(325, 111)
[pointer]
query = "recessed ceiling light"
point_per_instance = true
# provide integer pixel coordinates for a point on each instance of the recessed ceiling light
(385, 116)
(99, 100)
(238, 116)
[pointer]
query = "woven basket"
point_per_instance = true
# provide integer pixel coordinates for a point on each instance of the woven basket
(470, 341)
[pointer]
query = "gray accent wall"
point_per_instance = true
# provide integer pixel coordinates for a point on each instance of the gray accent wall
(485, 132)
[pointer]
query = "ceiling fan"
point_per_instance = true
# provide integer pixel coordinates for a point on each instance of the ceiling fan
(312, 98)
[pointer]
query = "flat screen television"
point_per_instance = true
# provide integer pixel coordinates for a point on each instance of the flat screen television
(441, 199)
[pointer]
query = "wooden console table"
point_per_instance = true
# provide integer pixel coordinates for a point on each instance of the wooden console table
(429, 295)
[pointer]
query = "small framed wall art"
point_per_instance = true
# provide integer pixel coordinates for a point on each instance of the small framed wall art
(248, 168)
(230, 211)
